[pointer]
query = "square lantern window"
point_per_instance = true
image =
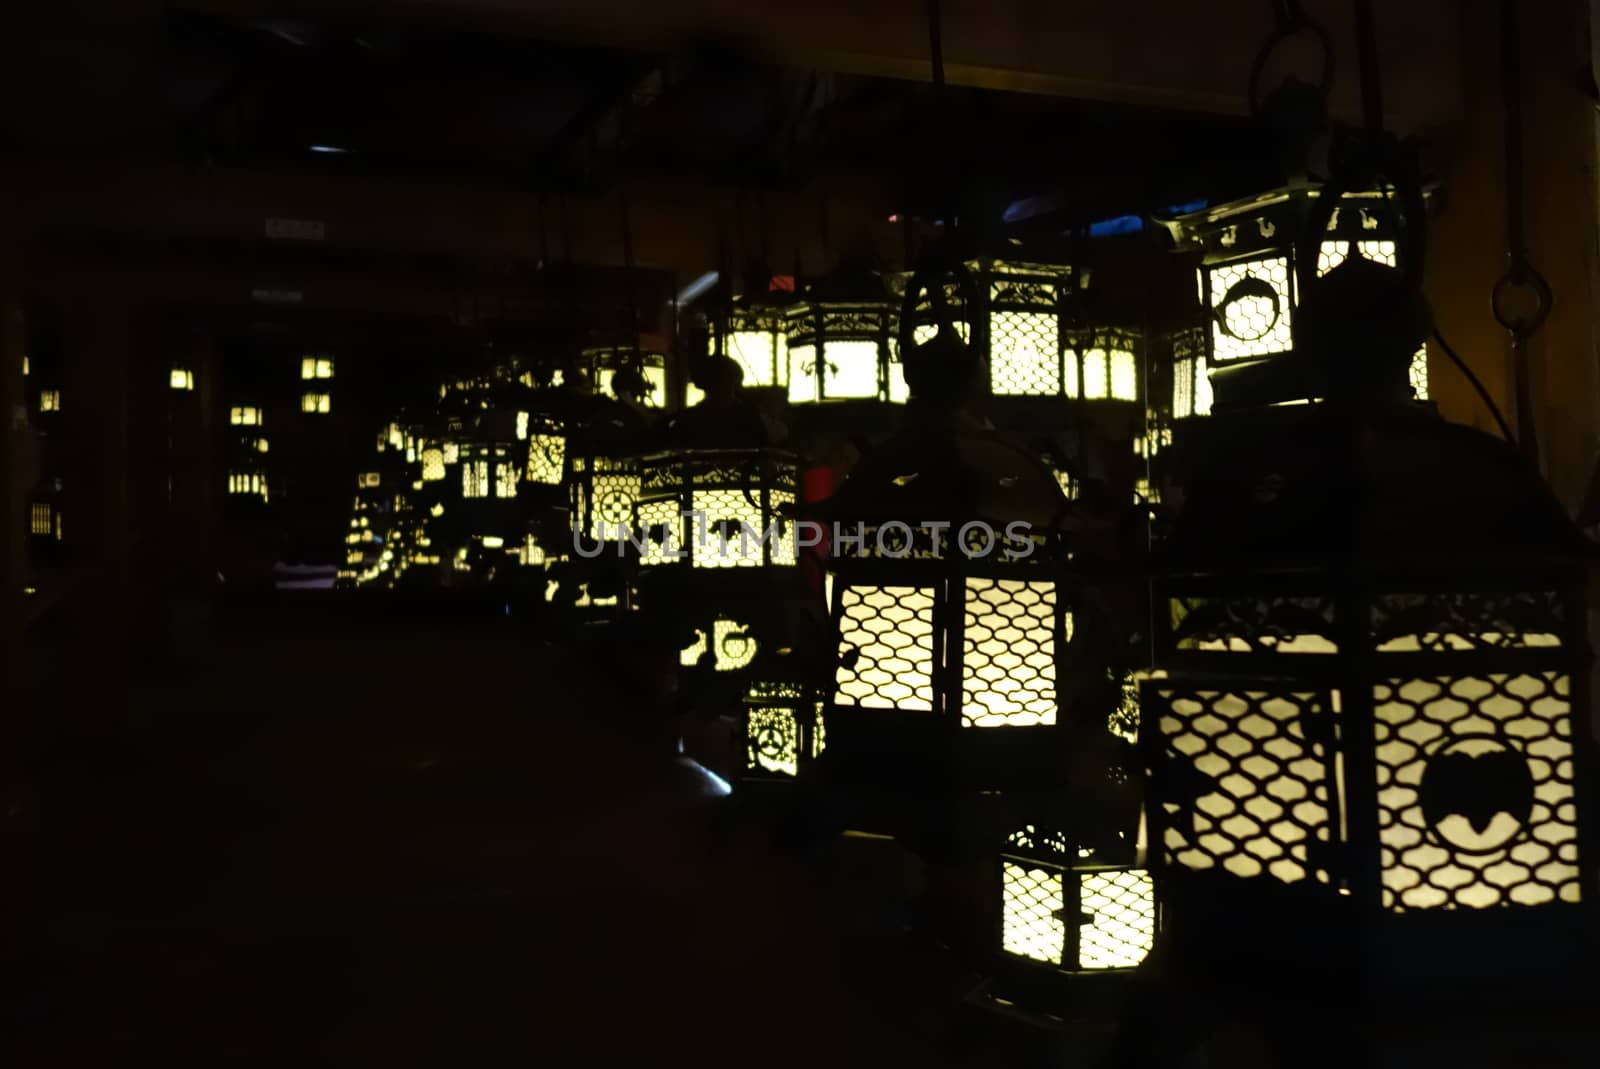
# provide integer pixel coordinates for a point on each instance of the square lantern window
(718, 508)
(1062, 910)
(180, 378)
(728, 646)
(755, 337)
(605, 493)
(1191, 382)
(245, 416)
(41, 518)
(316, 403)
(547, 452)
(602, 363)
(49, 400)
(839, 341)
(316, 367)
(247, 484)
(782, 730)
(1248, 276)
(1024, 302)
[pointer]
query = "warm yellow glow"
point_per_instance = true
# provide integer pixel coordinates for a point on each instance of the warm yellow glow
(890, 631)
(763, 355)
(49, 400)
(1289, 644)
(396, 437)
(452, 452)
(505, 479)
(248, 482)
(181, 379)
(261, 445)
(1270, 783)
(547, 455)
(772, 740)
(432, 464)
(1033, 905)
(532, 554)
(1499, 719)
(58, 520)
(1124, 376)
(850, 372)
(522, 426)
(475, 478)
(1009, 654)
(1256, 331)
(26, 367)
(731, 645)
(40, 515)
(493, 542)
(437, 510)
(613, 492)
(802, 374)
(369, 479)
(735, 510)
(1024, 354)
(316, 367)
(690, 655)
(319, 403)
(1461, 643)
(1120, 919)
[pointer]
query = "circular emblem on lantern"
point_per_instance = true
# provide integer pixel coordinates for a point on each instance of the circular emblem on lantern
(1476, 793)
(1249, 310)
(615, 506)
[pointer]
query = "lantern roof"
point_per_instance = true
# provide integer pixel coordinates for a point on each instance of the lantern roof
(603, 426)
(1303, 486)
(858, 279)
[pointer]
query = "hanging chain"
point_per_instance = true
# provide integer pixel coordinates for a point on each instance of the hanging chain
(1521, 297)
(1291, 22)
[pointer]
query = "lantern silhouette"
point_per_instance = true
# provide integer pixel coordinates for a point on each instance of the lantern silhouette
(782, 729)
(1373, 633)
(752, 331)
(949, 604)
(718, 508)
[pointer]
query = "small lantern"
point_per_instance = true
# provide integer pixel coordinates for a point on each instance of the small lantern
(718, 508)
(1373, 627)
(839, 340)
(602, 363)
(180, 378)
(1066, 911)
(783, 729)
(1250, 289)
(753, 332)
(603, 470)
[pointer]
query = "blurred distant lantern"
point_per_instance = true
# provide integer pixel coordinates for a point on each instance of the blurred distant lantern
(752, 331)
(1251, 280)
(1065, 909)
(783, 730)
(948, 598)
(180, 378)
(642, 374)
(603, 477)
(1373, 625)
(839, 339)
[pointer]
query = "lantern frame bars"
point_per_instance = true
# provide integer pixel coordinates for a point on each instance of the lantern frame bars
(790, 706)
(766, 480)
(816, 322)
(945, 739)
(763, 318)
(604, 361)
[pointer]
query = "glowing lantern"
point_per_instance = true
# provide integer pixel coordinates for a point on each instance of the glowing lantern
(1065, 910)
(839, 340)
(950, 607)
(718, 508)
(602, 364)
(603, 471)
(1249, 285)
(752, 331)
(1373, 629)
(181, 378)
(783, 729)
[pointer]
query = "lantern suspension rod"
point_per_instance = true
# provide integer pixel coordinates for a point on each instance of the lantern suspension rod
(1371, 72)
(936, 50)
(627, 266)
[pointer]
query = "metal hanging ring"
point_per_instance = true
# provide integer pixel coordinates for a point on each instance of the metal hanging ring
(1521, 278)
(930, 277)
(1287, 30)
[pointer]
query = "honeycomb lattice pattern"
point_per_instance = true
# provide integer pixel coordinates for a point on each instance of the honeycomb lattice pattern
(1251, 792)
(1119, 919)
(1024, 354)
(612, 497)
(1475, 791)
(886, 648)
(1334, 253)
(546, 456)
(475, 478)
(1253, 326)
(1009, 654)
(1032, 908)
(783, 549)
(662, 529)
(432, 465)
(733, 530)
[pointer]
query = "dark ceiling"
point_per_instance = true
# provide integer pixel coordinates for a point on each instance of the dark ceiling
(435, 103)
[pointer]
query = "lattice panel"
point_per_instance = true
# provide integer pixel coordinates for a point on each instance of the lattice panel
(852, 370)
(1008, 661)
(1119, 919)
(1475, 791)
(1024, 354)
(505, 479)
(432, 465)
(656, 518)
(1334, 253)
(547, 454)
(733, 530)
(1032, 907)
(886, 648)
(612, 498)
(475, 478)
(1254, 625)
(1255, 326)
(1418, 373)
(1409, 623)
(772, 741)
(784, 549)
(1256, 788)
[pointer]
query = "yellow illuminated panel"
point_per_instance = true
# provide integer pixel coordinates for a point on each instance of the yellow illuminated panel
(432, 464)
(181, 379)
(319, 403)
(1119, 925)
(731, 646)
(1475, 791)
(49, 400)
(547, 453)
(889, 633)
(245, 416)
(658, 518)
(316, 367)
(772, 741)
(248, 482)
(505, 479)
(522, 426)
(369, 479)
(728, 544)
(475, 478)
(758, 352)
(612, 495)
(40, 515)
(852, 370)
(1254, 326)
(1032, 908)
(1024, 354)
(532, 554)
(802, 374)
(1009, 654)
